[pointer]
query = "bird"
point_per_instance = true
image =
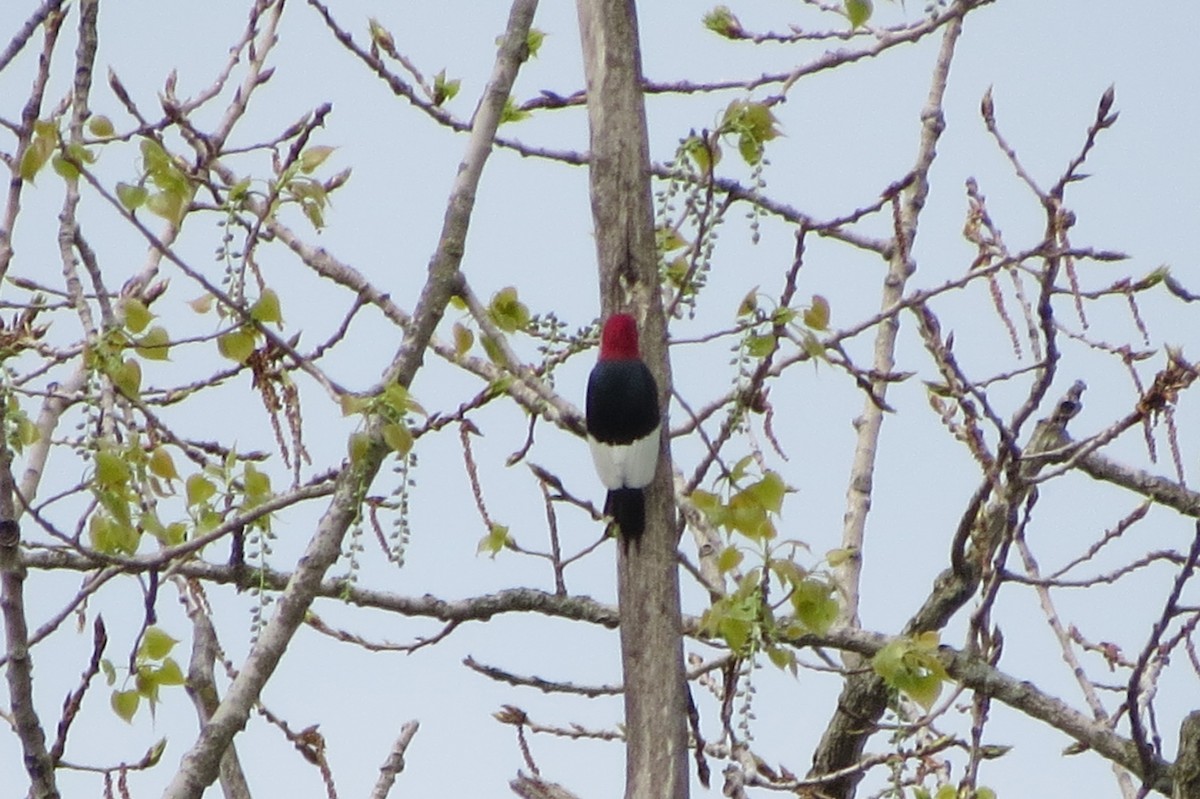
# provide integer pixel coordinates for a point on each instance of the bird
(623, 424)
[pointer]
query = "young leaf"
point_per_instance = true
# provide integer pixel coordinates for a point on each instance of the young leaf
(136, 314)
(155, 345)
(162, 465)
(814, 604)
(199, 490)
(64, 168)
(463, 339)
(496, 539)
(817, 315)
(266, 310)
(125, 704)
(202, 304)
(507, 311)
(534, 41)
(156, 644)
(358, 446)
(444, 90)
(398, 437)
(511, 113)
(169, 673)
(729, 559)
(111, 469)
(237, 345)
(313, 157)
(722, 22)
(100, 126)
(858, 12)
(127, 377)
(132, 197)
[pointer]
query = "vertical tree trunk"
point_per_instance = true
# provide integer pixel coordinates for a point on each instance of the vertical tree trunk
(648, 578)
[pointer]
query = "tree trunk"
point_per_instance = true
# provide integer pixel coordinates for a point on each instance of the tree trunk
(648, 578)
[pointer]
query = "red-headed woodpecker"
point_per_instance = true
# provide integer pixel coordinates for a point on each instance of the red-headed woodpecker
(623, 424)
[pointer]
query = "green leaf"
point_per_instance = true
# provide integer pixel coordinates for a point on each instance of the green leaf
(101, 534)
(266, 310)
(127, 377)
(358, 446)
(155, 753)
(737, 633)
(64, 168)
(353, 403)
(667, 238)
(26, 433)
(749, 303)
(910, 665)
(111, 469)
(463, 339)
(169, 673)
(162, 464)
(32, 161)
(146, 685)
(136, 314)
(769, 491)
(199, 490)
(256, 483)
(782, 658)
(237, 345)
(125, 704)
(156, 644)
(496, 540)
(836, 557)
(493, 350)
(722, 22)
(760, 346)
(174, 534)
(397, 436)
(729, 559)
(100, 126)
(110, 672)
(815, 606)
(704, 154)
(381, 37)
(202, 304)
(534, 41)
(312, 158)
(132, 197)
(511, 113)
(858, 12)
(816, 316)
(444, 90)
(507, 310)
(154, 157)
(813, 346)
(155, 345)
(167, 204)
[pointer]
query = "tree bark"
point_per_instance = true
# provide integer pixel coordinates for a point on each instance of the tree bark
(1186, 772)
(648, 578)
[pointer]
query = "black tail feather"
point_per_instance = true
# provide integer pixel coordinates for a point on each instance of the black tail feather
(628, 507)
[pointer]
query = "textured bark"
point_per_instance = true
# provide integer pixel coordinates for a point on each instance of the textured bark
(1186, 774)
(648, 578)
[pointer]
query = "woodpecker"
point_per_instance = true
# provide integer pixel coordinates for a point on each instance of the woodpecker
(623, 424)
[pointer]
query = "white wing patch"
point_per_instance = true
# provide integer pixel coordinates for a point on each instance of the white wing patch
(626, 465)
